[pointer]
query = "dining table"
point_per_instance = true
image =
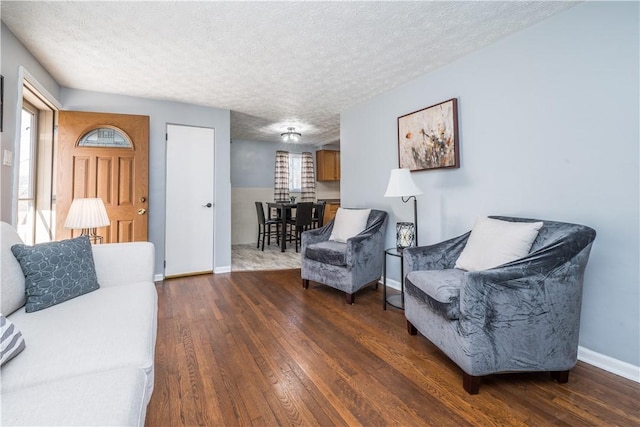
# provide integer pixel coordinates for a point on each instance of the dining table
(282, 208)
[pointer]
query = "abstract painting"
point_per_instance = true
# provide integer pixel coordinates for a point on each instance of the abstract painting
(428, 138)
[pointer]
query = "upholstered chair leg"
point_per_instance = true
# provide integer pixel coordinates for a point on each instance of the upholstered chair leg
(560, 376)
(411, 329)
(350, 298)
(305, 283)
(470, 383)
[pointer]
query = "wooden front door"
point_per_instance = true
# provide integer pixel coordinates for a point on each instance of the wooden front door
(92, 161)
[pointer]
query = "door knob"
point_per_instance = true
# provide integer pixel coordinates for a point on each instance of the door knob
(208, 205)
(142, 211)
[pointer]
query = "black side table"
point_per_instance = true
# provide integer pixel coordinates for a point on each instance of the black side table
(396, 301)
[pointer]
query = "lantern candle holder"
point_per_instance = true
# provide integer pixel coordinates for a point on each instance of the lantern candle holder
(405, 235)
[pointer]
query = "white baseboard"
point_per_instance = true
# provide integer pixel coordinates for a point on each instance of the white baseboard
(221, 270)
(226, 269)
(609, 364)
(393, 284)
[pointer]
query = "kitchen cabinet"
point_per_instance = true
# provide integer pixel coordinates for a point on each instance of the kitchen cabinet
(327, 165)
(330, 210)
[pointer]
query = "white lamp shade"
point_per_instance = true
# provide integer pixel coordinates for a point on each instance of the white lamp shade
(401, 184)
(87, 213)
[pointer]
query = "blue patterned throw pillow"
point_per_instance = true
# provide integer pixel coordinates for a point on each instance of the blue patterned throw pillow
(56, 271)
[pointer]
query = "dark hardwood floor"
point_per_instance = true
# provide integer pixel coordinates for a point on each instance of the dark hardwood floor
(254, 348)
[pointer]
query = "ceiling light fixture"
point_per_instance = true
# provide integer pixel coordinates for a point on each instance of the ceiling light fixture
(291, 135)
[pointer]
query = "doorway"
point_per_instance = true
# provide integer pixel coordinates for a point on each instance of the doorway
(26, 224)
(34, 189)
(190, 202)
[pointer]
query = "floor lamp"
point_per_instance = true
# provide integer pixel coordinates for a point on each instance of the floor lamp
(402, 185)
(87, 215)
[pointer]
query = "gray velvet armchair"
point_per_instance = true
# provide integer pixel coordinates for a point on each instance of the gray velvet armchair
(345, 266)
(520, 316)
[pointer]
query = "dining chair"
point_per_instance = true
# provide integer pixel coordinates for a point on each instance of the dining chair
(278, 217)
(317, 220)
(264, 227)
(302, 221)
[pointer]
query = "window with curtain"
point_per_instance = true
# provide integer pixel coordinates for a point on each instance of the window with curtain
(294, 173)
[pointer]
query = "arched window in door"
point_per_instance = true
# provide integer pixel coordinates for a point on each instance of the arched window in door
(105, 136)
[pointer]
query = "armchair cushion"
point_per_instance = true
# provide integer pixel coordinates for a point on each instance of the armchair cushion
(329, 252)
(349, 223)
(494, 242)
(441, 285)
(439, 289)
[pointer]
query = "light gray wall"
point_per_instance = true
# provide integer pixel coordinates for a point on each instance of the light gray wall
(14, 55)
(253, 162)
(549, 128)
(160, 114)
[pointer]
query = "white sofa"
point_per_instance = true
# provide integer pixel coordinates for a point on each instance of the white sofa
(88, 360)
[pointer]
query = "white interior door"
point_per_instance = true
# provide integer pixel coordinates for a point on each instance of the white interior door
(190, 201)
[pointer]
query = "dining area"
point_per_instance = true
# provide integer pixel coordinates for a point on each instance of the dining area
(272, 187)
(285, 221)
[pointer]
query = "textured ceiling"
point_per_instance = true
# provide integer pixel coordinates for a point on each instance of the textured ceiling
(273, 64)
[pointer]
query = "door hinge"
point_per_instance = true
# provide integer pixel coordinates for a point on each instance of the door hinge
(166, 136)
(165, 264)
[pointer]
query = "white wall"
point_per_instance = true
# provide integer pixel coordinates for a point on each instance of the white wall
(160, 114)
(549, 128)
(244, 222)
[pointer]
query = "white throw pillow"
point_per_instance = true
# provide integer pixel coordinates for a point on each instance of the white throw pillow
(494, 242)
(349, 223)
(12, 289)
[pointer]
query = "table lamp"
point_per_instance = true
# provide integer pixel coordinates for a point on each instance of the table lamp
(402, 185)
(87, 215)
